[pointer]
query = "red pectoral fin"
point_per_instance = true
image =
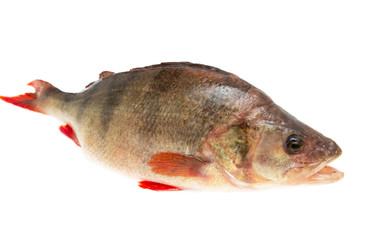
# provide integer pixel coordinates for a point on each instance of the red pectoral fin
(68, 131)
(174, 164)
(157, 186)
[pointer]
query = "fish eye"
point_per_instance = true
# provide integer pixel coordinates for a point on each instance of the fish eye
(294, 143)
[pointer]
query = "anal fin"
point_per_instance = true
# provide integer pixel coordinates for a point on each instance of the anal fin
(174, 164)
(157, 186)
(68, 131)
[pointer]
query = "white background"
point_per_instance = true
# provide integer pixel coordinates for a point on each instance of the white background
(311, 57)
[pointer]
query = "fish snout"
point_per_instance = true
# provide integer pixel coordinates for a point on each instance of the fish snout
(329, 148)
(326, 151)
(325, 148)
(334, 151)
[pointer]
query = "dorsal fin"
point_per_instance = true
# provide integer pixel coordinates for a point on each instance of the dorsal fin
(105, 74)
(183, 65)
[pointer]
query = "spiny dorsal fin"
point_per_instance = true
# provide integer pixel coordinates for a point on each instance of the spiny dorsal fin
(183, 65)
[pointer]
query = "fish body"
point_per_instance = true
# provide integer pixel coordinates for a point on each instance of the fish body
(187, 126)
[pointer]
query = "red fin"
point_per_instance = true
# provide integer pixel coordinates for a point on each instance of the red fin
(68, 131)
(157, 186)
(88, 85)
(23, 101)
(105, 74)
(174, 164)
(29, 100)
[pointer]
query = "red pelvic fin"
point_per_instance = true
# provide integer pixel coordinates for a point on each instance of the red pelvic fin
(105, 74)
(157, 186)
(68, 131)
(29, 100)
(174, 164)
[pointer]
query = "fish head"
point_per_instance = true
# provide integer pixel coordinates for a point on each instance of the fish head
(285, 151)
(265, 145)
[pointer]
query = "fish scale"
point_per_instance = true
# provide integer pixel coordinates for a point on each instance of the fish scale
(187, 126)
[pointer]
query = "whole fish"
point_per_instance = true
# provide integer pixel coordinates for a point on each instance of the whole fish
(187, 126)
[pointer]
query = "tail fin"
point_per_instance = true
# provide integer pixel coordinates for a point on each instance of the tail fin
(29, 100)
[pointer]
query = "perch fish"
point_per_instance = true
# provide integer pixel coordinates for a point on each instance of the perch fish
(177, 126)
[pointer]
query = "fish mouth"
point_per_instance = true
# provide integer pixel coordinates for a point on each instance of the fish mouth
(324, 173)
(317, 173)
